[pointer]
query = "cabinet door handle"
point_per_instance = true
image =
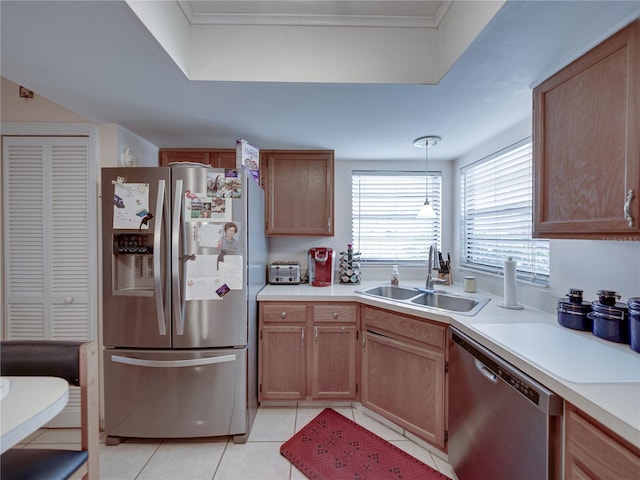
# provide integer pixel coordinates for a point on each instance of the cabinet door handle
(315, 334)
(302, 336)
(335, 314)
(627, 208)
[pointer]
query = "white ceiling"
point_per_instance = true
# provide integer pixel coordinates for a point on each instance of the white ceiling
(312, 12)
(97, 58)
(347, 42)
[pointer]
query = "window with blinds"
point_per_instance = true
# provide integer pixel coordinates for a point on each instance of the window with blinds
(384, 224)
(497, 215)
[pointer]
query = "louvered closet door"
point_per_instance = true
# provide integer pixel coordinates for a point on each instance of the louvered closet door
(47, 252)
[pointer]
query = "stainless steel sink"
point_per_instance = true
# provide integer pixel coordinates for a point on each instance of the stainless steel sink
(432, 300)
(391, 291)
(453, 303)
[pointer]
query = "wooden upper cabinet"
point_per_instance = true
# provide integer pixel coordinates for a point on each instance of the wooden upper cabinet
(218, 158)
(586, 144)
(298, 192)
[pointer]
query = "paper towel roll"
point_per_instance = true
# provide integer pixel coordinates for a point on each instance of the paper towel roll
(510, 295)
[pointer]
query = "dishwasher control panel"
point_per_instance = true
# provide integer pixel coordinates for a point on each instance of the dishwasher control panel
(519, 385)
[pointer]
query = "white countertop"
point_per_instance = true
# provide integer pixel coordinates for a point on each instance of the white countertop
(28, 403)
(601, 378)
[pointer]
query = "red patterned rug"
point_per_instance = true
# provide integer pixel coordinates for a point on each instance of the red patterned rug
(333, 447)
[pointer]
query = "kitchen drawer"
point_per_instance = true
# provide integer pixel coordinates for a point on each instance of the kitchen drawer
(335, 313)
(283, 312)
(412, 328)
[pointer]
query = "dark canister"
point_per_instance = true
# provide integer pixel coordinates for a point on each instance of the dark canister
(610, 322)
(573, 312)
(634, 323)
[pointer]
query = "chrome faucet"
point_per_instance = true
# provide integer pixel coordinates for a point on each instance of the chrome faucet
(432, 264)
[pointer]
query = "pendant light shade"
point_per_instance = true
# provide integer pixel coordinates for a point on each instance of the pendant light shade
(426, 211)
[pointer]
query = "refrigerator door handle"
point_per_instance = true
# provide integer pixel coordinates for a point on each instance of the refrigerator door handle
(157, 271)
(191, 362)
(175, 257)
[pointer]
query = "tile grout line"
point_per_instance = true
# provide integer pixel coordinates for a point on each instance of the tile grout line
(215, 470)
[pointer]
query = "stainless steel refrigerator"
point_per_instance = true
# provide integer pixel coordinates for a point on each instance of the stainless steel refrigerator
(184, 255)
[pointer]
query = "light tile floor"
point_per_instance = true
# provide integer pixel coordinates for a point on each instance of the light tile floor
(221, 459)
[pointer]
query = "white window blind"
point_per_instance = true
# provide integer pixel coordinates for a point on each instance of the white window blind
(497, 215)
(384, 224)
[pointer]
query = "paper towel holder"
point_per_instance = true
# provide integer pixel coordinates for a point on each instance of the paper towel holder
(510, 284)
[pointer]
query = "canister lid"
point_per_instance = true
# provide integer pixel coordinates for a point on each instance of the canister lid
(609, 293)
(608, 297)
(575, 295)
(634, 303)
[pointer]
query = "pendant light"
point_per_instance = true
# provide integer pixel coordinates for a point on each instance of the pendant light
(426, 211)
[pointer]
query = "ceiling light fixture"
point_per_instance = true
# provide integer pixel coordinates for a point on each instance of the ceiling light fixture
(426, 211)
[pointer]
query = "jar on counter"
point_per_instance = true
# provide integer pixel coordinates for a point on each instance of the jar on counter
(573, 312)
(610, 322)
(469, 284)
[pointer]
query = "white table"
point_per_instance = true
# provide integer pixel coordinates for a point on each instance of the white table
(26, 404)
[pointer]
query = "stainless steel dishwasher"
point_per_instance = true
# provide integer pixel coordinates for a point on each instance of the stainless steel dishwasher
(502, 423)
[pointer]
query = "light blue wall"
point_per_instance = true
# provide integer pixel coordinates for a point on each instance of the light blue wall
(590, 265)
(284, 248)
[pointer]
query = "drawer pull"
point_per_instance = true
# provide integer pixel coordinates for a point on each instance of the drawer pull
(335, 314)
(283, 315)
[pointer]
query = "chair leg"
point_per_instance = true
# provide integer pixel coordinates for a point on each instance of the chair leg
(90, 405)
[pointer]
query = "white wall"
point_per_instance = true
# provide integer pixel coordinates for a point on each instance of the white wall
(111, 139)
(114, 140)
(36, 109)
(590, 265)
(587, 264)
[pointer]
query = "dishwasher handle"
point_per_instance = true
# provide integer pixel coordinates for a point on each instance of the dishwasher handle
(484, 370)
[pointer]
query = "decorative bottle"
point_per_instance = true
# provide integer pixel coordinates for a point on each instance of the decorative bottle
(395, 275)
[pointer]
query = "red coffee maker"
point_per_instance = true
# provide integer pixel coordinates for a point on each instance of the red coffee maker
(321, 266)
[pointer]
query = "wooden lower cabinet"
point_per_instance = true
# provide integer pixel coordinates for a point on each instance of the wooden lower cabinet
(308, 351)
(591, 451)
(403, 372)
(283, 352)
(334, 362)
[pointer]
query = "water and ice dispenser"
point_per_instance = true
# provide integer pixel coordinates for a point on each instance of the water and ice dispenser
(132, 262)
